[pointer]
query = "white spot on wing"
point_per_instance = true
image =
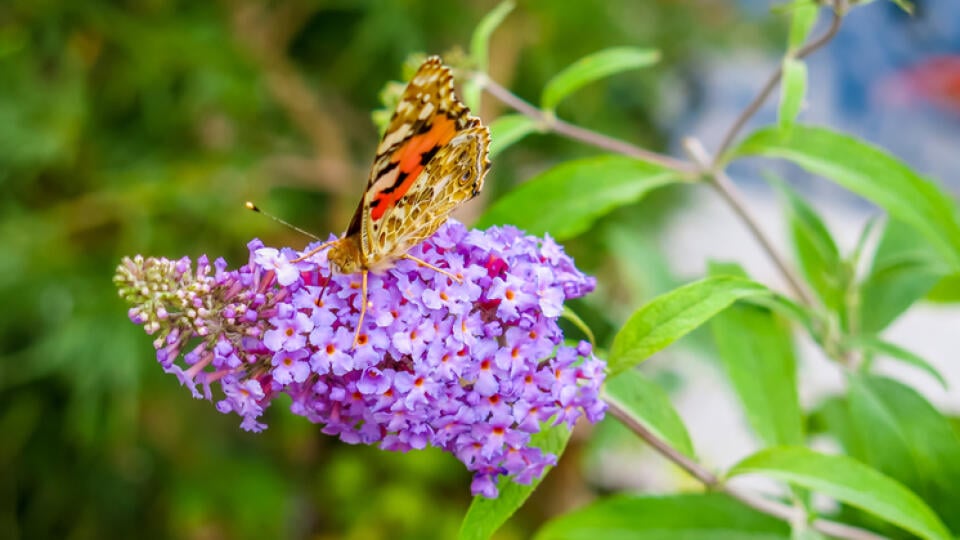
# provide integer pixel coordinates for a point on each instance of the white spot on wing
(427, 110)
(393, 137)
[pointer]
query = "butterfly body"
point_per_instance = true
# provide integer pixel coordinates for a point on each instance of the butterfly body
(432, 159)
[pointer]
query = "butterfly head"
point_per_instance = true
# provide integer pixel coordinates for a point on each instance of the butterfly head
(345, 256)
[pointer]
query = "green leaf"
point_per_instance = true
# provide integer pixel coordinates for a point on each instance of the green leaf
(849, 481)
(905, 5)
(756, 348)
(871, 173)
(788, 308)
(508, 129)
(565, 200)
(671, 316)
(891, 289)
(946, 290)
(901, 434)
(485, 516)
(878, 346)
(793, 90)
(650, 405)
(815, 248)
(832, 417)
(855, 258)
(709, 516)
(904, 268)
(804, 16)
(591, 68)
(480, 41)
(881, 441)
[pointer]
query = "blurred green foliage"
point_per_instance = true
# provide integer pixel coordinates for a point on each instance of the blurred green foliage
(142, 126)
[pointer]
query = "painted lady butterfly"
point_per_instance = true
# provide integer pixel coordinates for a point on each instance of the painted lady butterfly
(432, 159)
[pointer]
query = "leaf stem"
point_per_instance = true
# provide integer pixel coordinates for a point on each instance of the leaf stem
(774, 79)
(711, 481)
(550, 123)
(729, 192)
(694, 469)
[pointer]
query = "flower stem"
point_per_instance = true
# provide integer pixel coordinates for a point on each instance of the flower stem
(729, 192)
(772, 82)
(694, 469)
(711, 481)
(550, 123)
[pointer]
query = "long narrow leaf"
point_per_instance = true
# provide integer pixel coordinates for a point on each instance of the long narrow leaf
(480, 41)
(565, 200)
(509, 129)
(871, 173)
(756, 348)
(849, 481)
(879, 346)
(591, 68)
(793, 90)
(671, 316)
(708, 516)
(804, 16)
(901, 434)
(904, 268)
(814, 246)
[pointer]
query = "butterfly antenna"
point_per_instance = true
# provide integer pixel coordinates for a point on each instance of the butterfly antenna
(255, 208)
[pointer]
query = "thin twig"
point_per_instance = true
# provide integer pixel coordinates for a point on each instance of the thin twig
(771, 84)
(728, 190)
(793, 515)
(549, 122)
(710, 480)
(694, 469)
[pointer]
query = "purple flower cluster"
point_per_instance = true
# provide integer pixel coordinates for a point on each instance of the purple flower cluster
(473, 366)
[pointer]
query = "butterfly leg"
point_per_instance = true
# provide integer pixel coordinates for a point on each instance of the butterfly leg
(422, 262)
(324, 288)
(363, 308)
(315, 250)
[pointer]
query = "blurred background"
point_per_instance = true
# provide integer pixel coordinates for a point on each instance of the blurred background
(141, 126)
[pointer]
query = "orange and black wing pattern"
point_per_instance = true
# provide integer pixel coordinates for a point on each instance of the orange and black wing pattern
(433, 157)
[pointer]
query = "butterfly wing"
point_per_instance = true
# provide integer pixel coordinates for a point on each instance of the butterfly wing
(433, 157)
(453, 176)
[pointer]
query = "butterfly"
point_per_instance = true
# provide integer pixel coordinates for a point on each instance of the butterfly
(433, 157)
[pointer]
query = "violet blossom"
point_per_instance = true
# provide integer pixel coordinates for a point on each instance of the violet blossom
(474, 366)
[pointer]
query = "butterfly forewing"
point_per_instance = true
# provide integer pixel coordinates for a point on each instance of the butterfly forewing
(432, 158)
